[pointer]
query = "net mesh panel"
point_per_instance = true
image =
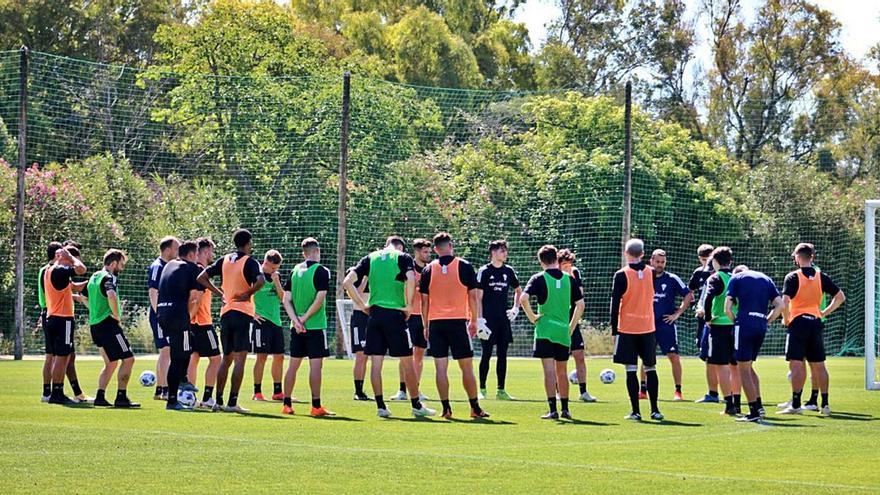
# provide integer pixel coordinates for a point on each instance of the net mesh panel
(875, 327)
(193, 155)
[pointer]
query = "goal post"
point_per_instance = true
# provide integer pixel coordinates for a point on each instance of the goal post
(344, 308)
(872, 251)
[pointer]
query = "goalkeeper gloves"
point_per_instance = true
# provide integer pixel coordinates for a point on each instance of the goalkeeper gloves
(512, 313)
(483, 331)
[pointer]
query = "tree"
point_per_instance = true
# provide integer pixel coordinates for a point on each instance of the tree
(103, 30)
(761, 72)
(599, 42)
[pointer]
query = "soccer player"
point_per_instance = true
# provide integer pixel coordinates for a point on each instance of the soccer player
(168, 247)
(494, 281)
(802, 293)
(667, 286)
(697, 285)
(268, 339)
(204, 338)
(358, 328)
(177, 303)
(632, 325)
(59, 287)
(450, 312)
(751, 292)
(720, 353)
(41, 299)
(421, 257)
(241, 279)
(105, 312)
(80, 292)
(578, 348)
(391, 282)
(556, 294)
(305, 301)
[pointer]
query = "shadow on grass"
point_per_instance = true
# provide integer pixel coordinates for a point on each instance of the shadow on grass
(845, 416)
(776, 423)
(260, 415)
(481, 421)
(336, 418)
(669, 422)
(583, 422)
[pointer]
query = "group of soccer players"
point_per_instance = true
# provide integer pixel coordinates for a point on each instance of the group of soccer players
(408, 306)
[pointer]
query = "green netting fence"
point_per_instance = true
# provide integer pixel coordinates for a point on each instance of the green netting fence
(120, 157)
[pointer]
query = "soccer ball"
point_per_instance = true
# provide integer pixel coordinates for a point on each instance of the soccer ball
(573, 377)
(148, 378)
(187, 398)
(607, 376)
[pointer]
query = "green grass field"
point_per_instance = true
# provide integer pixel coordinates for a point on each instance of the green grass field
(694, 451)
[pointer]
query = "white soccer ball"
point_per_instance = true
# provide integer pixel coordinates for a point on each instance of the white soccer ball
(148, 378)
(607, 376)
(573, 377)
(186, 398)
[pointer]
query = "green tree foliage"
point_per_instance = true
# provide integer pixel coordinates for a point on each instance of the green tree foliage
(106, 30)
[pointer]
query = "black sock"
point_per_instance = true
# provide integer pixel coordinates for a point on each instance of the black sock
(814, 395)
(359, 387)
(288, 402)
(258, 388)
(483, 370)
(219, 400)
(276, 388)
(446, 406)
(737, 401)
(824, 399)
(759, 404)
(728, 402)
(316, 403)
(47, 389)
(678, 388)
(402, 387)
(120, 394)
(796, 399)
(233, 400)
(632, 388)
(158, 390)
(582, 387)
(416, 404)
(753, 409)
(653, 389)
(713, 393)
(475, 404)
(206, 396)
(644, 387)
(501, 365)
(74, 385)
(552, 402)
(57, 390)
(564, 401)
(165, 390)
(380, 402)
(99, 395)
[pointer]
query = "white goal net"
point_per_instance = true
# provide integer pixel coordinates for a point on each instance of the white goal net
(872, 302)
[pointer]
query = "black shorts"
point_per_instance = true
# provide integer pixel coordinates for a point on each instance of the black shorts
(416, 331)
(176, 331)
(312, 344)
(59, 333)
(235, 332)
(449, 336)
(159, 339)
(804, 340)
(577, 340)
(501, 331)
(268, 338)
(204, 340)
(387, 332)
(721, 345)
(358, 328)
(110, 337)
(546, 349)
(630, 347)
